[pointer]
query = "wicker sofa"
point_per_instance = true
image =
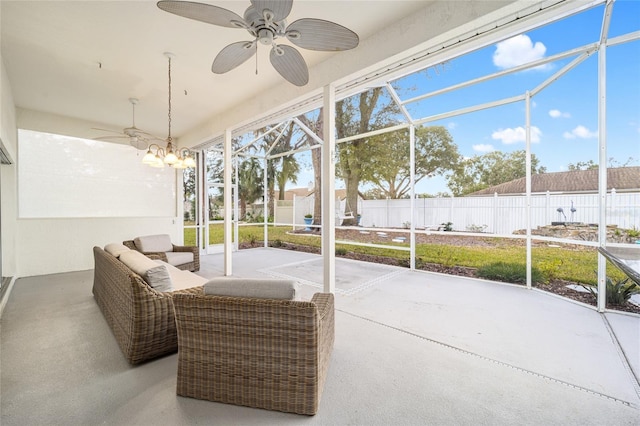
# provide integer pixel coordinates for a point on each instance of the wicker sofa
(141, 318)
(182, 257)
(262, 353)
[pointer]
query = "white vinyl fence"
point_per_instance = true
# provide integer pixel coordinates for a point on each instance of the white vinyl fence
(500, 215)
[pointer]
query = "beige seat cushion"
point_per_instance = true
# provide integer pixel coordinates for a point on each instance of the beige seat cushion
(182, 279)
(176, 258)
(154, 243)
(256, 288)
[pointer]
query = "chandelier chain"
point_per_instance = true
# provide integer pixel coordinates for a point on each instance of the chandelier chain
(169, 136)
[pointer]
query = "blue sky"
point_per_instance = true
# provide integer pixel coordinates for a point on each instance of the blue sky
(564, 116)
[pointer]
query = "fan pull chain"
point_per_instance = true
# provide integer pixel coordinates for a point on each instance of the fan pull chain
(256, 58)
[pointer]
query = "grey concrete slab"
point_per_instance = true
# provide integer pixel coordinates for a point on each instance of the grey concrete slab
(415, 348)
(527, 329)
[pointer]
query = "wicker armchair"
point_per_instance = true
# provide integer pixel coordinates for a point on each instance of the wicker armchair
(193, 265)
(262, 353)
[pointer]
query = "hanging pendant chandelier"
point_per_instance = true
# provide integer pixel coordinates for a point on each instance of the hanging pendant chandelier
(157, 156)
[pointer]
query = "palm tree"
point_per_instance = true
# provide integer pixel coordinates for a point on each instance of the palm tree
(250, 183)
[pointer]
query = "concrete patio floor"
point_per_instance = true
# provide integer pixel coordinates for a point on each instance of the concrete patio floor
(411, 347)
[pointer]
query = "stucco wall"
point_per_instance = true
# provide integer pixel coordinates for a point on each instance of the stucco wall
(46, 246)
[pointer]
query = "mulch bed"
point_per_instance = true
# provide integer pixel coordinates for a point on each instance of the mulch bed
(558, 287)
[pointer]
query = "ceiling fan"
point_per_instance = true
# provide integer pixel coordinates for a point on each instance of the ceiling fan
(265, 21)
(139, 139)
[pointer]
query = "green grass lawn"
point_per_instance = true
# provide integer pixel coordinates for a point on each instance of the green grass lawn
(552, 262)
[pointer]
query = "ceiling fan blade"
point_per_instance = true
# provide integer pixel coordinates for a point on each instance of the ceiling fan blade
(110, 138)
(279, 8)
(106, 130)
(135, 132)
(318, 34)
(203, 12)
(232, 56)
(290, 64)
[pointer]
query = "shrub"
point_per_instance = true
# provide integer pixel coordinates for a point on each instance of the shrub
(276, 243)
(633, 232)
(252, 239)
(340, 251)
(447, 226)
(618, 291)
(550, 268)
(476, 228)
(509, 272)
(308, 216)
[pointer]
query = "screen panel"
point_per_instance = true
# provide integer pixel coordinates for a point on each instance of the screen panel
(62, 177)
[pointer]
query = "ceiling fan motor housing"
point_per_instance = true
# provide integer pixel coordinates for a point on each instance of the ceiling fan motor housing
(263, 28)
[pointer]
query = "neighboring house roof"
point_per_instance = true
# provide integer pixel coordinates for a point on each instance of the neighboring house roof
(620, 178)
(304, 192)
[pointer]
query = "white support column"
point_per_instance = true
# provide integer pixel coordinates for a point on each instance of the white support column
(228, 212)
(528, 184)
(602, 175)
(202, 213)
(265, 204)
(412, 205)
(236, 204)
(328, 190)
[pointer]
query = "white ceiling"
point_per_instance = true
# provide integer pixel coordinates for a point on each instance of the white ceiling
(84, 59)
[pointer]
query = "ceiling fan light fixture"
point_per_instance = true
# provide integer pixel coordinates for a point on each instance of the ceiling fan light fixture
(265, 36)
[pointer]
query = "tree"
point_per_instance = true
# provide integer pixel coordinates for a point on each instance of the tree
(189, 193)
(354, 116)
(282, 169)
(388, 168)
(250, 183)
(582, 165)
(493, 168)
(315, 125)
(590, 164)
(289, 167)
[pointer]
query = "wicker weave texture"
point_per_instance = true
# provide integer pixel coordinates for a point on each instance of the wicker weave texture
(269, 354)
(191, 266)
(142, 319)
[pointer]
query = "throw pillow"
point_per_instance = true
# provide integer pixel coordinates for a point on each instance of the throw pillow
(256, 288)
(116, 249)
(158, 278)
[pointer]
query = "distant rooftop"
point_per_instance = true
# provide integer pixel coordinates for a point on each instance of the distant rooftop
(620, 178)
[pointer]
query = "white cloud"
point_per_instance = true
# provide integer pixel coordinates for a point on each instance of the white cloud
(483, 147)
(580, 132)
(511, 136)
(518, 50)
(452, 125)
(554, 113)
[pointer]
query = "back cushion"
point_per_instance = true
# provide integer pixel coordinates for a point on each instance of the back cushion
(256, 288)
(116, 249)
(137, 262)
(154, 243)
